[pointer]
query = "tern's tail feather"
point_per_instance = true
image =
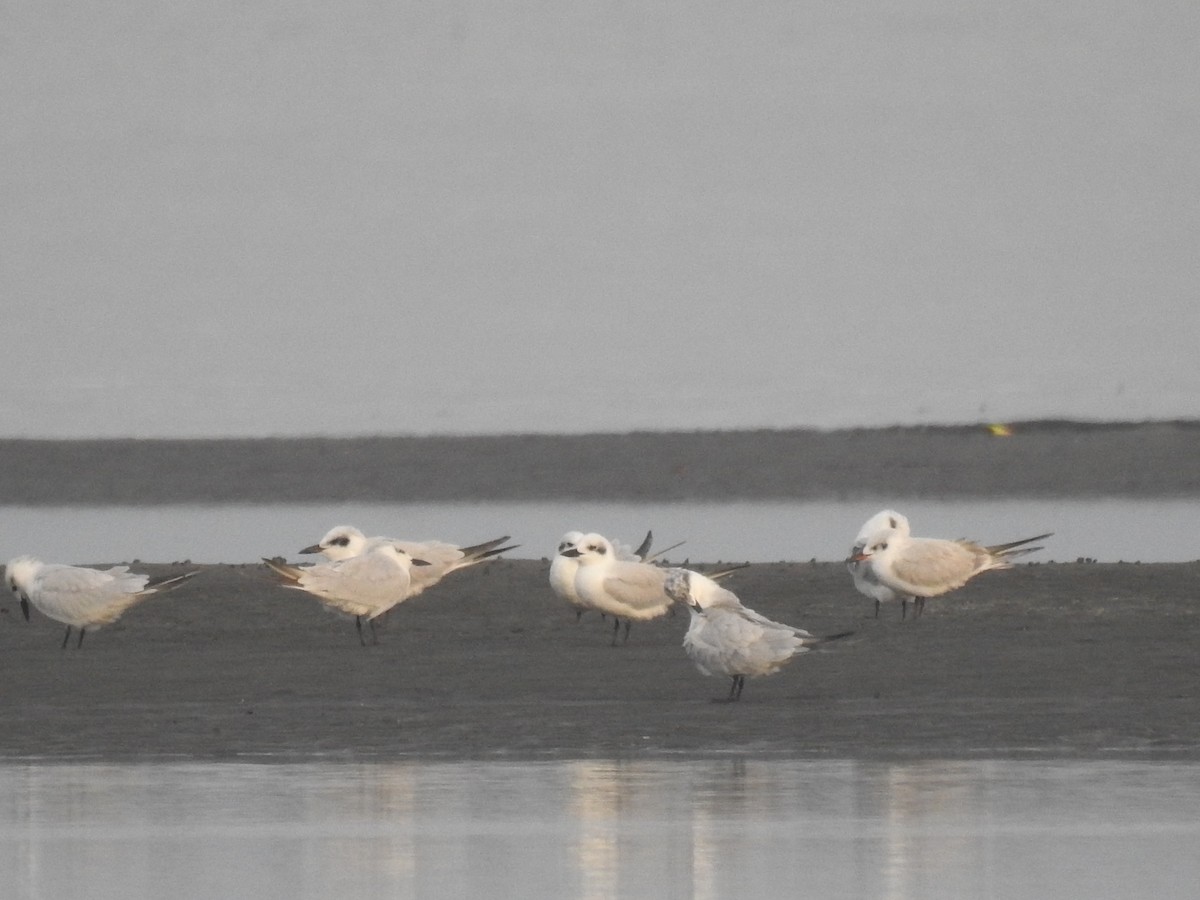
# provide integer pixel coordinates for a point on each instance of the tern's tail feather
(288, 573)
(727, 571)
(168, 582)
(658, 554)
(1017, 548)
(827, 638)
(644, 546)
(479, 552)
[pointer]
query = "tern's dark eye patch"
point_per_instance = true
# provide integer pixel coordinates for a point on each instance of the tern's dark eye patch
(892, 522)
(340, 541)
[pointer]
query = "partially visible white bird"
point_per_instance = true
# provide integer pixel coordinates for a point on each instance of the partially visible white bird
(929, 567)
(364, 586)
(864, 579)
(562, 572)
(83, 598)
(623, 589)
(727, 638)
(441, 558)
(564, 567)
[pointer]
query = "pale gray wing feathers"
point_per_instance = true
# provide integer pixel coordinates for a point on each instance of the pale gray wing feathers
(705, 655)
(438, 554)
(637, 585)
(929, 567)
(87, 597)
(763, 622)
(73, 579)
(444, 558)
(732, 643)
(367, 581)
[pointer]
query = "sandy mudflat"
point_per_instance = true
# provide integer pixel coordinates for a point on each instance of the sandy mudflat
(1062, 660)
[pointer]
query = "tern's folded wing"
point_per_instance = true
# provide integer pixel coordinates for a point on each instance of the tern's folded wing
(931, 567)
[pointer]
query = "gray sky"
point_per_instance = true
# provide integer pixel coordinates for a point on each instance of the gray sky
(412, 217)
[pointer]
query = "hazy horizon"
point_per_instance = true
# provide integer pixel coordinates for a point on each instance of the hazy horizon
(262, 220)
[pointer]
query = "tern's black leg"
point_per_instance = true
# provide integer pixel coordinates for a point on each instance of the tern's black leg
(735, 689)
(374, 637)
(628, 625)
(903, 608)
(918, 607)
(66, 637)
(79, 643)
(358, 625)
(616, 628)
(877, 609)
(578, 615)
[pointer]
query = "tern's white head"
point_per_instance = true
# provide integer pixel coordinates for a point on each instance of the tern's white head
(340, 542)
(569, 541)
(592, 549)
(18, 575)
(876, 544)
(884, 520)
(20, 572)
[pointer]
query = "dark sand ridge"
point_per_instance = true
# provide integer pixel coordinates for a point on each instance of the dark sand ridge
(1041, 459)
(1060, 660)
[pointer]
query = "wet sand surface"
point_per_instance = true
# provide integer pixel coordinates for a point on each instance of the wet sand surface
(1060, 660)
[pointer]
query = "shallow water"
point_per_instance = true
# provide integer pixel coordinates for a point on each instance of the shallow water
(710, 828)
(1107, 530)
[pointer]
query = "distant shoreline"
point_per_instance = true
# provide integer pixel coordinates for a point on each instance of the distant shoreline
(1056, 458)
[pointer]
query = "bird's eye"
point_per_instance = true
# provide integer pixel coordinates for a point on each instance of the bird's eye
(341, 542)
(883, 546)
(601, 550)
(892, 522)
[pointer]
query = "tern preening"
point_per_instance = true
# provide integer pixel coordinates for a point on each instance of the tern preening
(80, 597)
(727, 638)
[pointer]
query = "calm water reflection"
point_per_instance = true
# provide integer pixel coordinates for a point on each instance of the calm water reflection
(601, 829)
(1104, 529)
